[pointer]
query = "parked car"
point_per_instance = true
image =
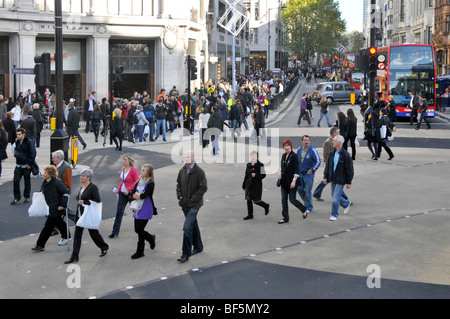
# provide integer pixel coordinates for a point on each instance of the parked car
(335, 92)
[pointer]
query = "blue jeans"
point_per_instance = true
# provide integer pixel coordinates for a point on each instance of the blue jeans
(319, 190)
(122, 202)
(152, 131)
(139, 132)
(305, 189)
(326, 116)
(337, 190)
(294, 201)
(191, 232)
(161, 124)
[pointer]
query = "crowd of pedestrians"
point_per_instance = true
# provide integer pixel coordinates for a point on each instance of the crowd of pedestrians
(213, 106)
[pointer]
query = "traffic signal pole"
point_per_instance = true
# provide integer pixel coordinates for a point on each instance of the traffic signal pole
(59, 139)
(372, 45)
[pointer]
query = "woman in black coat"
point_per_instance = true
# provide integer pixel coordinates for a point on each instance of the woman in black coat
(287, 180)
(87, 193)
(252, 185)
(10, 128)
(372, 134)
(351, 132)
(117, 129)
(56, 196)
(37, 115)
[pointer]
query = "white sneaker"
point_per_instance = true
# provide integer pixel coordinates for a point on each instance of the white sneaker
(64, 241)
(346, 209)
(332, 218)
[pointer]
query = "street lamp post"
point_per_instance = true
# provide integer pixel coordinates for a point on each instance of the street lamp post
(269, 36)
(59, 139)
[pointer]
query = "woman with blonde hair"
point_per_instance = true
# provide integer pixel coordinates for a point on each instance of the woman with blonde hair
(323, 111)
(117, 128)
(252, 185)
(144, 209)
(129, 175)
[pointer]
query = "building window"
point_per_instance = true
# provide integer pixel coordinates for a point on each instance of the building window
(403, 10)
(447, 23)
(430, 35)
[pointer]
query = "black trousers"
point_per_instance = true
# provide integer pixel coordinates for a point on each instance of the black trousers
(412, 115)
(383, 144)
(139, 228)
(95, 235)
(50, 224)
(250, 206)
(352, 140)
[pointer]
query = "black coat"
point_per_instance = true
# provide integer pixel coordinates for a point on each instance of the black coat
(25, 152)
(351, 128)
(117, 127)
(289, 167)
(3, 144)
(37, 115)
(253, 185)
(56, 194)
(343, 174)
(29, 124)
(10, 128)
(73, 121)
(90, 193)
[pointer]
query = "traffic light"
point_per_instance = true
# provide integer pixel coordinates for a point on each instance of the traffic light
(42, 70)
(295, 59)
(373, 62)
(119, 73)
(193, 67)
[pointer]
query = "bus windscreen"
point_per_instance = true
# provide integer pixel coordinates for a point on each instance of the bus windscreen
(411, 69)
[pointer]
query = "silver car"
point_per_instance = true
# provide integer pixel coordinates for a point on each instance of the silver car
(335, 92)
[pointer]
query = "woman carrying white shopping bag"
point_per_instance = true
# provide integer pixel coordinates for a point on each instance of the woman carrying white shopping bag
(89, 208)
(56, 196)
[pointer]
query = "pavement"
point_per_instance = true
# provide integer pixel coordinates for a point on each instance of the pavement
(394, 242)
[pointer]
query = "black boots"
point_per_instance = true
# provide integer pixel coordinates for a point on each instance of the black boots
(141, 245)
(139, 251)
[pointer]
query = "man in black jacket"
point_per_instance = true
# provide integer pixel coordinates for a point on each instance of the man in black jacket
(338, 172)
(191, 186)
(73, 124)
(215, 128)
(25, 154)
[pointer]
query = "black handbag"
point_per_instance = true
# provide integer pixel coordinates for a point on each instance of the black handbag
(34, 168)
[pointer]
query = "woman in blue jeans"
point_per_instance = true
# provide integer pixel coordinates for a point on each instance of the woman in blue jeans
(324, 111)
(287, 180)
(129, 175)
(140, 115)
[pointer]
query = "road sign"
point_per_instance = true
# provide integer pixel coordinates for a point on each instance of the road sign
(22, 71)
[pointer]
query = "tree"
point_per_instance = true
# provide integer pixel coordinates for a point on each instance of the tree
(312, 26)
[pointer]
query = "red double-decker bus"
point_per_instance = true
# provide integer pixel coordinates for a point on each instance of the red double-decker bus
(409, 68)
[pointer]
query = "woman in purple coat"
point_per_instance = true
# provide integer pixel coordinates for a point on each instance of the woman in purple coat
(143, 208)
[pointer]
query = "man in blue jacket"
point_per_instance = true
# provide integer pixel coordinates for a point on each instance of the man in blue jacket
(339, 172)
(309, 160)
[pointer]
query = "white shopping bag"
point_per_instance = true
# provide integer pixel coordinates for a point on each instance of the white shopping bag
(92, 216)
(39, 207)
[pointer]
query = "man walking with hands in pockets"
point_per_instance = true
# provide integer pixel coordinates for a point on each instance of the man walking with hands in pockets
(339, 172)
(191, 186)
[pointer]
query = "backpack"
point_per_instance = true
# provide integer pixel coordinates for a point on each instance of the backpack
(148, 112)
(135, 118)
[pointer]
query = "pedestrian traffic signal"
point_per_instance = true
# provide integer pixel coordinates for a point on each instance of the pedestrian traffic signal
(373, 62)
(42, 70)
(119, 73)
(193, 69)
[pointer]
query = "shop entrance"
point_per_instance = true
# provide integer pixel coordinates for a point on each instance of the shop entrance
(132, 83)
